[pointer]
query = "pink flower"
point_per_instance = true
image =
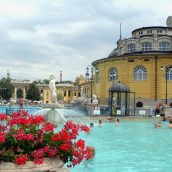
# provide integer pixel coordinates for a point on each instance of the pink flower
(39, 161)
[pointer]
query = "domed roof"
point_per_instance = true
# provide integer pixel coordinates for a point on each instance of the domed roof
(119, 87)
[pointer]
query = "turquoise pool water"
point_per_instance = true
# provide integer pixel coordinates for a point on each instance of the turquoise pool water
(130, 147)
(72, 112)
(10, 109)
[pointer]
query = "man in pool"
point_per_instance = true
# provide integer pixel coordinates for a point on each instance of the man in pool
(117, 122)
(157, 125)
(100, 123)
(91, 125)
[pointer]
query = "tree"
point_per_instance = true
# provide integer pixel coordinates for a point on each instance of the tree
(33, 92)
(35, 82)
(65, 82)
(19, 93)
(39, 81)
(46, 81)
(6, 88)
(60, 96)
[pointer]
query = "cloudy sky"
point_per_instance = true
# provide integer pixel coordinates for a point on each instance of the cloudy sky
(41, 37)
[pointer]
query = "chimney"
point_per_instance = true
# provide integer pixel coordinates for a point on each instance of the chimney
(60, 76)
(8, 74)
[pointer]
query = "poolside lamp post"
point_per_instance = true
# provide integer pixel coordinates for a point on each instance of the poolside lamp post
(168, 76)
(90, 68)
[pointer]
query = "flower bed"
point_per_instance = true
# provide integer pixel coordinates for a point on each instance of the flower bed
(25, 137)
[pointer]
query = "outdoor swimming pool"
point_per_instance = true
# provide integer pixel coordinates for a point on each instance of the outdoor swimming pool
(10, 109)
(130, 147)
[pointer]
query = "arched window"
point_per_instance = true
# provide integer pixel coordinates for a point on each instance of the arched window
(131, 48)
(164, 46)
(139, 104)
(140, 73)
(113, 74)
(169, 72)
(146, 46)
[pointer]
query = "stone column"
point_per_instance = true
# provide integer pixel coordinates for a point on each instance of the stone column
(15, 93)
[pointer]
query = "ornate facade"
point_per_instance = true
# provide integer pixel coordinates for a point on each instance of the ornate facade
(65, 92)
(142, 62)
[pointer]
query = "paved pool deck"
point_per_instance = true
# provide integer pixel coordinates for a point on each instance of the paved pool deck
(127, 118)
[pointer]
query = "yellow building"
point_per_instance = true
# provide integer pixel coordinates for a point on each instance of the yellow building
(142, 62)
(23, 85)
(67, 92)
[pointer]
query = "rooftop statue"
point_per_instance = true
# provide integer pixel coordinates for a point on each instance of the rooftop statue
(169, 21)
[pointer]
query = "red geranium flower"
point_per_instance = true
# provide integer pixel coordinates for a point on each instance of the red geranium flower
(21, 159)
(25, 137)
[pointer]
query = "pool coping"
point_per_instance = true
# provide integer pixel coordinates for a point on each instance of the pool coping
(128, 118)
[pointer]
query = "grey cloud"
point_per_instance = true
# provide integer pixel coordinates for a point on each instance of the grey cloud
(76, 32)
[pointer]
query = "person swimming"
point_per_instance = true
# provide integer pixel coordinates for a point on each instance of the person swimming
(91, 125)
(100, 123)
(117, 122)
(157, 125)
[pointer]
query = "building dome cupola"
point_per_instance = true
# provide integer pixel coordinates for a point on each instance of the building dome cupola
(119, 87)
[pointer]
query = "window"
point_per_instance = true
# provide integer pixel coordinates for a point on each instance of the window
(164, 46)
(169, 73)
(65, 93)
(140, 73)
(146, 46)
(113, 75)
(159, 31)
(131, 60)
(149, 31)
(139, 104)
(131, 48)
